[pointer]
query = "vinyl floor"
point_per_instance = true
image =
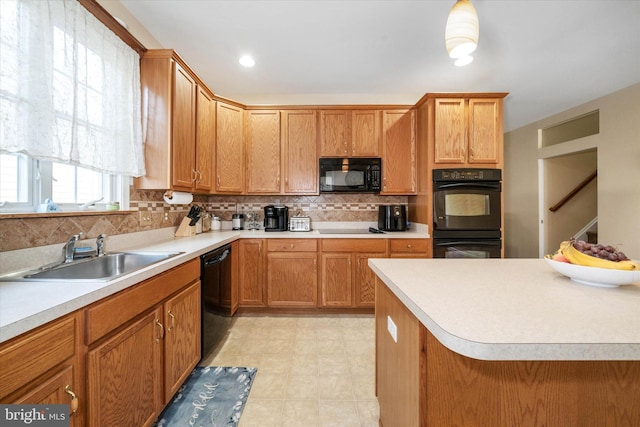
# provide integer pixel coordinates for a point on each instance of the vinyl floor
(312, 371)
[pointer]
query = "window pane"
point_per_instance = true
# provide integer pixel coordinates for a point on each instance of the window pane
(73, 184)
(13, 178)
(64, 182)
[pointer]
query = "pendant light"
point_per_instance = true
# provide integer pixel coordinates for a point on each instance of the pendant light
(462, 30)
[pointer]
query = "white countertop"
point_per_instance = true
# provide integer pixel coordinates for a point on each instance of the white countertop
(515, 309)
(26, 305)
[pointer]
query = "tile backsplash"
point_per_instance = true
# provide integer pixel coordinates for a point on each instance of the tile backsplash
(149, 211)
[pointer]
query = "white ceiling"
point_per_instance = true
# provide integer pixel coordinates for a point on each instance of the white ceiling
(549, 55)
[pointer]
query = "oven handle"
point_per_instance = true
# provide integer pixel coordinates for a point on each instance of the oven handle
(469, 242)
(492, 186)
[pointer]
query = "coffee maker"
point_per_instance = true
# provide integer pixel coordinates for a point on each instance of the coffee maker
(276, 218)
(392, 217)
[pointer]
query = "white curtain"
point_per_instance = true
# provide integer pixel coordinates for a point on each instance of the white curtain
(69, 88)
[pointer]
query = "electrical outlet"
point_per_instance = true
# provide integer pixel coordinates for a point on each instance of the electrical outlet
(392, 328)
(145, 218)
(166, 217)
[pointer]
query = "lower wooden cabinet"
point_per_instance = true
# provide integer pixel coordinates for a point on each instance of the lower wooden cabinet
(124, 375)
(182, 338)
(251, 279)
(43, 366)
(143, 342)
(292, 273)
(410, 248)
(347, 280)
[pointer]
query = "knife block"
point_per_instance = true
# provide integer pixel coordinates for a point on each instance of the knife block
(186, 230)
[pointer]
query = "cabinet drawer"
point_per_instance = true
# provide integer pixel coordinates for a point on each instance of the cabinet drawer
(105, 316)
(35, 353)
(409, 245)
(292, 245)
(354, 245)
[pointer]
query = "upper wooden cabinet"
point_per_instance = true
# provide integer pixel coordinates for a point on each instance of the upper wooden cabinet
(175, 126)
(263, 151)
(398, 152)
(468, 131)
(299, 147)
(350, 133)
(205, 140)
(229, 149)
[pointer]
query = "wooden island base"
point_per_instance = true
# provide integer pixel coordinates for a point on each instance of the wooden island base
(420, 382)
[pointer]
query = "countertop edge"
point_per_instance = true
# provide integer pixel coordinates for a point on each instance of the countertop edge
(512, 351)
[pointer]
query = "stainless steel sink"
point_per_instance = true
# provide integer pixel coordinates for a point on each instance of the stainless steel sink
(104, 268)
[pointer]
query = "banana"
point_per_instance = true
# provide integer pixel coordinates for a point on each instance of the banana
(574, 256)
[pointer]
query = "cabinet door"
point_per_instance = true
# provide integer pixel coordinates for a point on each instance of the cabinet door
(398, 152)
(229, 149)
(292, 279)
(299, 157)
(364, 280)
(182, 338)
(183, 143)
(450, 131)
(56, 390)
(335, 133)
(251, 272)
(124, 375)
(365, 133)
(205, 140)
(263, 152)
(336, 279)
(485, 131)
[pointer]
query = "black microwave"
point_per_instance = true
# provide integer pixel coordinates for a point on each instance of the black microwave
(350, 175)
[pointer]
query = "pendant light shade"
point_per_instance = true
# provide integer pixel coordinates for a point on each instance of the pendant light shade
(463, 29)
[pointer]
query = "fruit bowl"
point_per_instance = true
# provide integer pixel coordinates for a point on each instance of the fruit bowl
(593, 276)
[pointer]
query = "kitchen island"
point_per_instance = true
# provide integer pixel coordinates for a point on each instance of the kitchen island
(502, 342)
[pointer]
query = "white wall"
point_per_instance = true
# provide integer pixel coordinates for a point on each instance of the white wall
(618, 146)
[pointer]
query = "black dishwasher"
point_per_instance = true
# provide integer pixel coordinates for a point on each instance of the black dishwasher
(215, 277)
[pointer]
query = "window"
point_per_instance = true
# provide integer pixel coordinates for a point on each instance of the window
(25, 183)
(70, 119)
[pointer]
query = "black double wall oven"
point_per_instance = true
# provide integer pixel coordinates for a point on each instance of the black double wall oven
(467, 213)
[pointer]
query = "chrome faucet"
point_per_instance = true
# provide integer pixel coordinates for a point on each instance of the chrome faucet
(69, 247)
(100, 244)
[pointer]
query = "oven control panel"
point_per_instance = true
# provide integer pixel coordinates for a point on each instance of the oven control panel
(467, 175)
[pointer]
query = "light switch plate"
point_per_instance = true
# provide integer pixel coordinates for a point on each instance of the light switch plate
(392, 328)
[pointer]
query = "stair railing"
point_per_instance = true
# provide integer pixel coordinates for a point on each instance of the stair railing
(573, 192)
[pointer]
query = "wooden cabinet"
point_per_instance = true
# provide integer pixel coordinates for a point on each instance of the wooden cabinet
(410, 248)
(251, 273)
(350, 133)
(299, 152)
(205, 140)
(398, 152)
(263, 151)
(183, 138)
(142, 342)
(347, 280)
(229, 149)
(43, 366)
(179, 125)
(337, 283)
(125, 375)
(292, 273)
(182, 338)
(468, 132)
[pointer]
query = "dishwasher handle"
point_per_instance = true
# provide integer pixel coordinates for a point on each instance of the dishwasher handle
(217, 259)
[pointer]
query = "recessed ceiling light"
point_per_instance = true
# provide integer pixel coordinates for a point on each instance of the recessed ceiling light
(463, 61)
(247, 61)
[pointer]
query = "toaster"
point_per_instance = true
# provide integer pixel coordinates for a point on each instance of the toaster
(299, 222)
